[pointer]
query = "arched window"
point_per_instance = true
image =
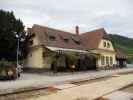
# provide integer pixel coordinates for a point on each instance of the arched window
(107, 60)
(108, 45)
(104, 44)
(111, 60)
(102, 60)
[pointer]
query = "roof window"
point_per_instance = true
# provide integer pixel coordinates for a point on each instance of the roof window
(76, 40)
(52, 37)
(66, 40)
(108, 45)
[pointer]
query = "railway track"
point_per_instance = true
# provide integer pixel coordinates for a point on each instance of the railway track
(36, 92)
(24, 94)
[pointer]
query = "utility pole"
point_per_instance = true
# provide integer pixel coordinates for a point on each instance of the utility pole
(17, 51)
(19, 39)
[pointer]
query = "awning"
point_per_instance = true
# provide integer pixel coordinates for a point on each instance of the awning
(121, 55)
(64, 49)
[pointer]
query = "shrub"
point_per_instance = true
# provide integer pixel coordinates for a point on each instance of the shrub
(72, 58)
(130, 60)
(4, 65)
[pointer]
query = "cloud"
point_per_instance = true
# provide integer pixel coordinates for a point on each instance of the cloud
(114, 15)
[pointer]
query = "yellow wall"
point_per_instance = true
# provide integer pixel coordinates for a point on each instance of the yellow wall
(101, 46)
(35, 41)
(35, 58)
(106, 52)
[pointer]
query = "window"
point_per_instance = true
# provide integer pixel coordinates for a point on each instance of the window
(108, 45)
(76, 40)
(52, 37)
(102, 60)
(66, 40)
(107, 60)
(104, 44)
(111, 60)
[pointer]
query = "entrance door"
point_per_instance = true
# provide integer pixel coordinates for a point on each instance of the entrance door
(91, 63)
(87, 63)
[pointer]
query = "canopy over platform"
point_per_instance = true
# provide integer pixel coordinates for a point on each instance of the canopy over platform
(65, 50)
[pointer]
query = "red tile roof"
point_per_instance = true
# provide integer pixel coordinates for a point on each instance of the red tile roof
(43, 33)
(92, 39)
(88, 40)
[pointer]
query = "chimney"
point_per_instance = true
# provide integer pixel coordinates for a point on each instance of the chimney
(77, 30)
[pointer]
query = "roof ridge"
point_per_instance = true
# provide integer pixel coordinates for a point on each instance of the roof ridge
(54, 29)
(99, 29)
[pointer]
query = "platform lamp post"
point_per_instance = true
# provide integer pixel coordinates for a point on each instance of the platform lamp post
(18, 37)
(17, 54)
(17, 58)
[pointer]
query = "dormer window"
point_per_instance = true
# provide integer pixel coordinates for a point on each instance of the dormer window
(108, 45)
(52, 37)
(66, 40)
(76, 40)
(104, 44)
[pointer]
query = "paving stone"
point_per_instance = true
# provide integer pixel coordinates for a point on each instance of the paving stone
(119, 95)
(64, 86)
(93, 90)
(31, 81)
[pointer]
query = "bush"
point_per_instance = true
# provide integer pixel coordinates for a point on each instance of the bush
(4, 65)
(72, 58)
(130, 60)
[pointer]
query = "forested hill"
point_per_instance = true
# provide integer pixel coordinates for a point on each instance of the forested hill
(122, 43)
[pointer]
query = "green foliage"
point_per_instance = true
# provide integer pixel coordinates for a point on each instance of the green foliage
(8, 26)
(4, 65)
(130, 60)
(123, 44)
(71, 57)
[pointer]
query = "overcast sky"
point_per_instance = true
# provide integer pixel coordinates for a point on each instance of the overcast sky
(116, 16)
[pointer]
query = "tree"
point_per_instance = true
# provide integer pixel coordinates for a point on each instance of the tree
(9, 27)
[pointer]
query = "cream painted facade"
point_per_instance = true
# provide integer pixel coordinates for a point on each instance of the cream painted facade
(35, 57)
(106, 53)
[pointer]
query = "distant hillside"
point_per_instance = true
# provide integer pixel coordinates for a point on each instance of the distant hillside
(122, 43)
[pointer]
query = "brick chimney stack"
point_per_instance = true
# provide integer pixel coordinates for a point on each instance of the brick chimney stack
(77, 30)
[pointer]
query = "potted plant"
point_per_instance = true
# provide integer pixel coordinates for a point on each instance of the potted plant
(72, 59)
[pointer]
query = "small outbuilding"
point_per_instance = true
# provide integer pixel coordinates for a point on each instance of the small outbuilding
(121, 59)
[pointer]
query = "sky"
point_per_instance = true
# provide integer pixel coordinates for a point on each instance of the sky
(116, 16)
